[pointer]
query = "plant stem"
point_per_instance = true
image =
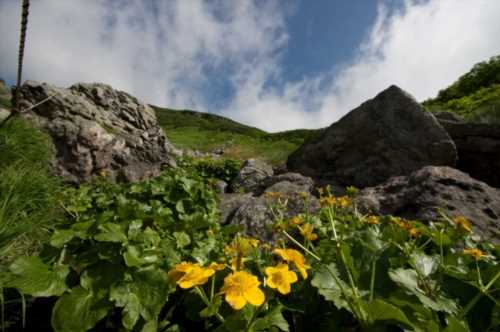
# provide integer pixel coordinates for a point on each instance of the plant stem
(301, 246)
(372, 281)
(204, 298)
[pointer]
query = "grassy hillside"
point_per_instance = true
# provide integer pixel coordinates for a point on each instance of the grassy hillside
(474, 96)
(4, 95)
(207, 132)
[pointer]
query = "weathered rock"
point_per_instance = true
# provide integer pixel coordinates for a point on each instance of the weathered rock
(254, 214)
(98, 130)
(422, 193)
(3, 113)
(250, 177)
(220, 186)
(288, 182)
(478, 147)
(387, 136)
(256, 218)
(229, 203)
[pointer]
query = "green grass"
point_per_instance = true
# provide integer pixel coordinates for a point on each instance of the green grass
(28, 192)
(475, 95)
(5, 102)
(207, 132)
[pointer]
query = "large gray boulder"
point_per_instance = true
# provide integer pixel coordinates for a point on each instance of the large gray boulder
(251, 175)
(386, 136)
(478, 147)
(98, 131)
(421, 194)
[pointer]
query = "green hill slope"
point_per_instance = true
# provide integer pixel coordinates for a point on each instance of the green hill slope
(207, 132)
(474, 96)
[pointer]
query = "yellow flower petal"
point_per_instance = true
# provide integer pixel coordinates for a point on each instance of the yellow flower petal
(235, 300)
(255, 296)
(241, 287)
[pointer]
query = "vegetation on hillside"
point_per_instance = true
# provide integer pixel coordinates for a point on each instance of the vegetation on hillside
(28, 192)
(152, 256)
(207, 132)
(474, 96)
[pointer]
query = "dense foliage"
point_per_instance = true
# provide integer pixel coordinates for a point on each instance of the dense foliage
(475, 95)
(28, 192)
(151, 256)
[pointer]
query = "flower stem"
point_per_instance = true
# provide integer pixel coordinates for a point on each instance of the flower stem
(205, 300)
(301, 246)
(372, 281)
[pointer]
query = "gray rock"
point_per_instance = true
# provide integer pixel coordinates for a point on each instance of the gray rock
(99, 131)
(229, 203)
(386, 136)
(254, 213)
(251, 175)
(3, 113)
(420, 195)
(288, 182)
(478, 147)
(220, 186)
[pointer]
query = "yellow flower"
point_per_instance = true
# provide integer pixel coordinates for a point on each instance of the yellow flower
(343, 201)
(474, 252)
(307, 232)
(413, 232)
(217, 266)
(327, 201)
(296, 220)
(241, 287)
(241, 246)
(463, 223)
(280, 278)
(372, 220)
(188, 275)
(292, 255)
(238, 263)
(273, 195)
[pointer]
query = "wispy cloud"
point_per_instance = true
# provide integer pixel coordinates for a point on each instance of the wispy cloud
(172, 52)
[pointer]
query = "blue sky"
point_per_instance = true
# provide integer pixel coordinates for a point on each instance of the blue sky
(273, 64)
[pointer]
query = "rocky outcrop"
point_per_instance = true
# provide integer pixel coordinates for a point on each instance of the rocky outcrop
(421, 194)
(251, 210)
(251, 175)
(478, 147)
(98, 131)
(387, 136)
(254, 214)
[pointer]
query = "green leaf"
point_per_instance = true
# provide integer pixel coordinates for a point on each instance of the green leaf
(34, 277)
(100, 277)
(134, 229)
(379, 310)
(327, 281)
(424, 264)
(179, 206)
(455, 325)
(273, 318)
(144, 296)
(182, 239)
(111, 232)
(78, 311)
(61, 237)
(408, 279)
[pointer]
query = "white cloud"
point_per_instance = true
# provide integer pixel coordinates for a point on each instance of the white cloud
(162, 55)
(158, 54)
